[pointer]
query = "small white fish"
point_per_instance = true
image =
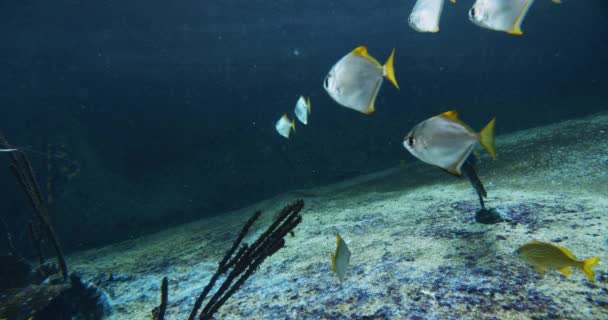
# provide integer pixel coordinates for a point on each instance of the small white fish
(500, 15)
(445, 141)
(8, 150)
(340, 259)
(354, 81)
(284, 126)
(425, 15)
(302, 109)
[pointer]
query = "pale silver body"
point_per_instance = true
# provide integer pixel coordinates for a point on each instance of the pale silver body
(500, 15)
(425, 15)
(354, 82)
(284, 126)
(341, 259)
(302, 110)
(442, 142)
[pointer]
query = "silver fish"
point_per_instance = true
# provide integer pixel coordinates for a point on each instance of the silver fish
(354, 81)
(500, 15)
(425, 15)
(302, 109)
(447, 142)
(340, 259)
(284, 126)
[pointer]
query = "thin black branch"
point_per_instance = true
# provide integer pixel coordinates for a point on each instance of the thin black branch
(9, 239)
(159, 312)
(23, 172)
(248, 259)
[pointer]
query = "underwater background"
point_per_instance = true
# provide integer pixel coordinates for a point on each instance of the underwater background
(163, 112)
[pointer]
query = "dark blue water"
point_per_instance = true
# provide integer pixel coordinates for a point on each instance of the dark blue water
(169, 107)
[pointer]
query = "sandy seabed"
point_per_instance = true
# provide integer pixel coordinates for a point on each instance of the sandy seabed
(417, 252)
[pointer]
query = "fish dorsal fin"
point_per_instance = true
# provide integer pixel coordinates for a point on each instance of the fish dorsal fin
(452, 115)
(334, 256)
(567, 252)
(362, 51)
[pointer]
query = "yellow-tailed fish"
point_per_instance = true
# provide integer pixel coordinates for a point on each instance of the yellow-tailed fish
(500, 15)
(340, 259)
(445, 141)
(425, 15)
(354, 81)
(302, 109)
(545, 256)
(284, 126)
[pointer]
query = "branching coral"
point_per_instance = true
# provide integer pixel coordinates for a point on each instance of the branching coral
(239, 266)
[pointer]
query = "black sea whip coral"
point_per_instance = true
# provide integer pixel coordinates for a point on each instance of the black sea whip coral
(241, 265)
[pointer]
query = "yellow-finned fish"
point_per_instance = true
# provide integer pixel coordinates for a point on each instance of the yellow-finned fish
(354, 81)
(284, 126)
(425, 15)
(445, 141)
(545, 256)
(302, 109)
(340, 259)
(500, 15)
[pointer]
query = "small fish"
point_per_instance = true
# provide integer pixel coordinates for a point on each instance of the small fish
(302, 109)
(545, 256)
(284, 126)
(340, 259)
(354, 81)
(500, 15)
(425, 15)
(445, 141)
(8, 150)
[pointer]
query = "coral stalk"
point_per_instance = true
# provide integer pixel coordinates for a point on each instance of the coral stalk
(240, 266)
(23, 172)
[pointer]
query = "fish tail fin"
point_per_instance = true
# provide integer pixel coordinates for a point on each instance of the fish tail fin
(293, 125)
(486, 137)
(308, 105)
(389, 69)
(588, 265)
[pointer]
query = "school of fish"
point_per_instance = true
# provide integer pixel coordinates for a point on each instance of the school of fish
(443, 141)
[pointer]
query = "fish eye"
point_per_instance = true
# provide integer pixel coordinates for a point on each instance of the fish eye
(472, 13)
(411, 141)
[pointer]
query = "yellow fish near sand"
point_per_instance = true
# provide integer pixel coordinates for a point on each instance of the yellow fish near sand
(340, 259)
(445, 141)
(355, 80)
(545, 256)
